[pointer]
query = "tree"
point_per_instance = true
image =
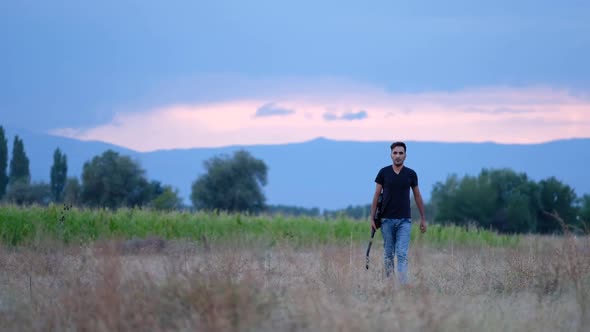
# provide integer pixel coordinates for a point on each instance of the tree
(163, 197)
(72, 190)
(476, 201)
(500, 199)
(516, 203)
(112, 181)
(3, 162)
(19, 164)
(169, 199)
(584, 213)
(59, 173)
(443, 197)
(23, 193)
(555, 197)
(231, 184)
(464, 201)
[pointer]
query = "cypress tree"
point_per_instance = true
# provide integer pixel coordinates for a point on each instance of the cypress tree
(19, 164)
(59, 173)
(3, 162)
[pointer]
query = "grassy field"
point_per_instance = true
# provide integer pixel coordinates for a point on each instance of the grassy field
(138, 270)
(32, 225)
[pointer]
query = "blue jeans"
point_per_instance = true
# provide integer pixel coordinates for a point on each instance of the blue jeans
(396, 240)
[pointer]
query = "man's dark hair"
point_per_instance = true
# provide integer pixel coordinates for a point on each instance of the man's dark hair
(402, 144)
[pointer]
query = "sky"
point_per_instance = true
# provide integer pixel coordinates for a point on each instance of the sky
(150, 75)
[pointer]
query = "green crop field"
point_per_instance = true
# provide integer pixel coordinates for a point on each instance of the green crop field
(20, 226)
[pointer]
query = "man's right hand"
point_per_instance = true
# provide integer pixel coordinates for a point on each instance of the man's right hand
(373, 226)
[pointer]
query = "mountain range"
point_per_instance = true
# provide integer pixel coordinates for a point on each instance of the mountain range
(325, 173)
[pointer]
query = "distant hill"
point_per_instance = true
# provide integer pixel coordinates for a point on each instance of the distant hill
(330, 174)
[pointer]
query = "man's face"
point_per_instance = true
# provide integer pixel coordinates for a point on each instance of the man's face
(398, 155)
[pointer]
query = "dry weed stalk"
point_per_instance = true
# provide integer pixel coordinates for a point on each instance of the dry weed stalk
(574, 261)
(237, 287)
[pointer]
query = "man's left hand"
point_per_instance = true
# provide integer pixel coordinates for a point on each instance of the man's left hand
(423, 226)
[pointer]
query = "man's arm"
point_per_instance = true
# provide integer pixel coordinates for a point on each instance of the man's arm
(378, 188)
(420, 204)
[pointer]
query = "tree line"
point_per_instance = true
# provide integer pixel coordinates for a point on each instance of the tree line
(111, 180)
(108, 180)
(510, 202)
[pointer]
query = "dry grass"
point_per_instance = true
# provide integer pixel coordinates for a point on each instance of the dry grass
(542, 285)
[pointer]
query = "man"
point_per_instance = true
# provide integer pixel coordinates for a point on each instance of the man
(396, 180)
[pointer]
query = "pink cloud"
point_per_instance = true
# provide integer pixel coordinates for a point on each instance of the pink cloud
(504, 115)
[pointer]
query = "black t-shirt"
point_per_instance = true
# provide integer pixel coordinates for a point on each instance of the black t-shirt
(396, 191)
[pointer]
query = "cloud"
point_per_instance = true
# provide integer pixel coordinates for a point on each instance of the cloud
(501, 114)
(346, 116)
(271, 109)
(500, 110)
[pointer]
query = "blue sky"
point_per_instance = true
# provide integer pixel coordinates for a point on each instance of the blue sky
(78, 68)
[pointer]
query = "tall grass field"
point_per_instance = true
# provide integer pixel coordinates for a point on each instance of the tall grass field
(140, 270)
